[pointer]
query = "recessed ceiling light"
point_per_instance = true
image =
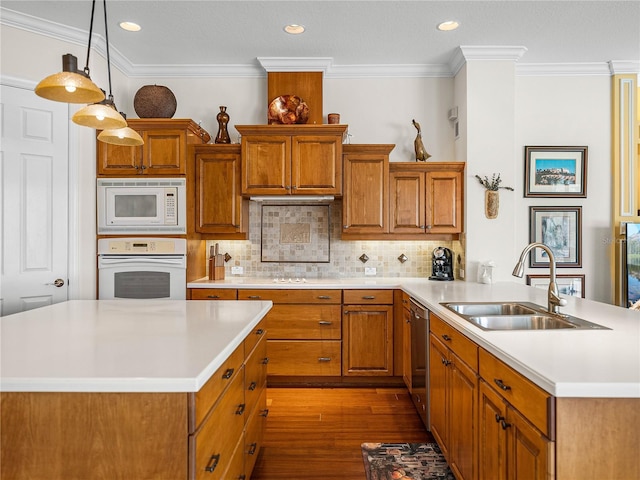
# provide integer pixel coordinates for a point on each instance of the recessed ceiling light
(130, 26)
(294, 29)
(448, 26)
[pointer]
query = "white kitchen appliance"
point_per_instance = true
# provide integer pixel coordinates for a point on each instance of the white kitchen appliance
(142, 268)
(141, 206)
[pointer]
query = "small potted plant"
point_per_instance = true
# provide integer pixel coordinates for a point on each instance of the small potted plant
(491, 195)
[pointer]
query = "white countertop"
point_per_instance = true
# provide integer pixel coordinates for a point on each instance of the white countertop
(122, 345)
(565, 363)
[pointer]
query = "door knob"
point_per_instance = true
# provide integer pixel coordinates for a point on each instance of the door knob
(58, 282)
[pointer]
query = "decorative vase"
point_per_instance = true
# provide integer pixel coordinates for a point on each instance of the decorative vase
(155, 101)
(491, 203)
(223, 120)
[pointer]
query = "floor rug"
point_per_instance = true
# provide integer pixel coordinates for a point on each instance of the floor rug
(405, 461)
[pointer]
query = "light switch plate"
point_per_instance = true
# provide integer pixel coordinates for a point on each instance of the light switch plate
(369, 270)
(237, 270)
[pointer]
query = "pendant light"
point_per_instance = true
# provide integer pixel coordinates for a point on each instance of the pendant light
(71, 85)
(103, 115)
(116, 136)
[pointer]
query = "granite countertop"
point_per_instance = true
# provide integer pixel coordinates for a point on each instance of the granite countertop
(565, 363)
(122, 345)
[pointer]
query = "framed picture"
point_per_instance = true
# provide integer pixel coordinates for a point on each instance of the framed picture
(555, 172)
(560, 229)
(572, 285)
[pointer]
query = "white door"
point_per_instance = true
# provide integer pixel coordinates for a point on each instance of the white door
(34, 201)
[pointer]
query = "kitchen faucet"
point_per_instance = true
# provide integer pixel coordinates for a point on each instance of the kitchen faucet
(554, 302)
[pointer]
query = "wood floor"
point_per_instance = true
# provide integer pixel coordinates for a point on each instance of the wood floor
(315, 433)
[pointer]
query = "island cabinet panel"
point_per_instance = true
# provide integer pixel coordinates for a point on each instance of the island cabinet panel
(254, 435)
(454, 385)
(164, 152)
(291, 159)
(49, 435)
(215, 441)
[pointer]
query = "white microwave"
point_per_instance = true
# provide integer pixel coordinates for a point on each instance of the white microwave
(141, 206)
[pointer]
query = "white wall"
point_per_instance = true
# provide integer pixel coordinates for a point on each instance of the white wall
(572, 111)
(548, 111)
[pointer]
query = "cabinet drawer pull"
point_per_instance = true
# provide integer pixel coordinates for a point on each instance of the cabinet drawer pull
(446, 338)
(446, 362)
(259, 331)
(499, 417)
(252, 386)
(213, 296)
(324, 359)
(501, 384)
(324, 297)
(252, 449)
(264, 413)
(265, 360)
(254, 297)
(369, 297)
(228, 374)
(325, 322)
(240, 409)
(213, 463)
(504, 424)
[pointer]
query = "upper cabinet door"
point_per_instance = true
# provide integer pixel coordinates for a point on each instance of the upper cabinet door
(266, 164)
(444, 201)
(407, 209)
(164, 152)
(316, 165)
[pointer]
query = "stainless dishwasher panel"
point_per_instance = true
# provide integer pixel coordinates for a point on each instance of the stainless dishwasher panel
(420, 360)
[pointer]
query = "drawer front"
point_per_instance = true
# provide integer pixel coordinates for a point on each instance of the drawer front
(235, 470)
(292, 295)
(299, 322)
(258, 332)
(368, 297)
(212, 447)
(205, 398)
(464, 348)
(254, 434)
(304, 357)
(533, 402)
(214, 294)
(406, 300)
(255, 374)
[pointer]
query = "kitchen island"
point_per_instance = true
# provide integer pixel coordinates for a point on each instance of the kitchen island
(122, 388)
(586, 382)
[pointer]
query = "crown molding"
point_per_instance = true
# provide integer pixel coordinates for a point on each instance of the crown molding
(618, 67)
(562, 69)
(464, 53)
(296, 64)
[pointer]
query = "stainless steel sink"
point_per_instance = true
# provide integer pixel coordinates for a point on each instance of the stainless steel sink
(516, 316)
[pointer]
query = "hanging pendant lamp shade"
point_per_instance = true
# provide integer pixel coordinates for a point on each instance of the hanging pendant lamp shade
(121, 136)
(70, 85)
(102, 116)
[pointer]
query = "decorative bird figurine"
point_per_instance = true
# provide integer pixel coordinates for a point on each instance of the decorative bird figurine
(421, 152)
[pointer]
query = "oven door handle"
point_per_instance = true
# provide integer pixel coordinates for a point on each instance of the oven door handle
(140, 260)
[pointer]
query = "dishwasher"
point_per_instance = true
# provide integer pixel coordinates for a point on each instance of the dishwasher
(420, 359)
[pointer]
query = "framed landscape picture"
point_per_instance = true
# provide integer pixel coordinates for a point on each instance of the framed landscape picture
(572, 285)
(559, 228)
(555, 172)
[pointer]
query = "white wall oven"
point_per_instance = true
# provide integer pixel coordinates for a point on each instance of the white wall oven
(151, 268)
(140, 206)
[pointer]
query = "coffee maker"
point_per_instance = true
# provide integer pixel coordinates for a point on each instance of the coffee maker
(442, 264)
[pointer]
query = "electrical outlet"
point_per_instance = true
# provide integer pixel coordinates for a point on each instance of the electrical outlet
(237, 270)
(461, 274)
(369, 270)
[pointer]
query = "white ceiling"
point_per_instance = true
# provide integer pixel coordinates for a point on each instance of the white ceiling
(185, 36)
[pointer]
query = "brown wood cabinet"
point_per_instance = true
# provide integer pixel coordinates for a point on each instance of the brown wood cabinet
(163, 153)
(304, 331)
(367, 338)
(365, 205)
(454, 386)
(220, 209)
(291, 159)
(426, 198)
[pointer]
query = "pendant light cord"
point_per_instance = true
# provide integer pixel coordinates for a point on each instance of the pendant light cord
(86, 67)
(106, 36)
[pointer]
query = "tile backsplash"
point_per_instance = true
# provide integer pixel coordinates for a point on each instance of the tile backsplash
(291, 241)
